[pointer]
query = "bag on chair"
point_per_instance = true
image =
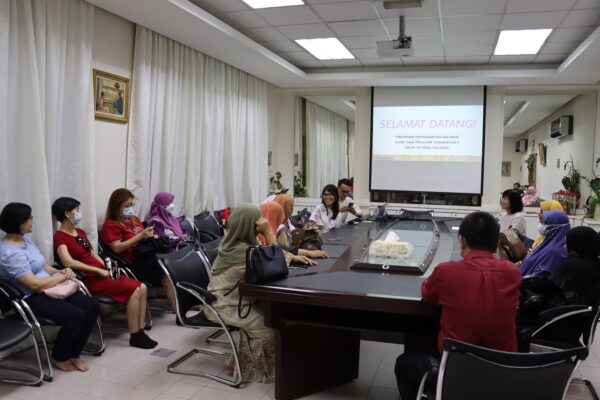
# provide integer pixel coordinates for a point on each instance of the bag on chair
(511, 246)
(62, 290)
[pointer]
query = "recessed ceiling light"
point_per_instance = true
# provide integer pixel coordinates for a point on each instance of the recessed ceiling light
(273, 3)
(326, 48)
(527, 41)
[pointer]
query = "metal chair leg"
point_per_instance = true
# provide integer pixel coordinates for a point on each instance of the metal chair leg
(588, 384)
(37, 374)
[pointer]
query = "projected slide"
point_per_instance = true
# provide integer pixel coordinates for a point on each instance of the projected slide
(428, 147)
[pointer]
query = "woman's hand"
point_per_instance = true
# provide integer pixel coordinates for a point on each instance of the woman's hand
(318, 254)
(262, 226)
(103, 273)
(147, 233)
(303, 260)
(68, 273)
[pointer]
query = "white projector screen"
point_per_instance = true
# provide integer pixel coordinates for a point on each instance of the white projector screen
(427, 139)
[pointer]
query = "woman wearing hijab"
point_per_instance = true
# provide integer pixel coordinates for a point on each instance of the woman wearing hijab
(545, 206)
(273, 213)
(578, 277)
(287, 203)
(163, 221)
(256, 345)
(545, 257)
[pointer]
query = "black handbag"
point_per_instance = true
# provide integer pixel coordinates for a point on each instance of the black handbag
(265, 264)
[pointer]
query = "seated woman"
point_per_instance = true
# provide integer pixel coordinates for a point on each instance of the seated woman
(514, 217)
(545, 257)
(287, 203)
(75, 251)
(256, 345)
(546, 205)
(578, 276)
(163, 221)
(22, 264)
(530, 197)
(123, 231)
(327, 215)
(274, 215)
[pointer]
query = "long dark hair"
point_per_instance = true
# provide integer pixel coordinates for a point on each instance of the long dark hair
(335, 207)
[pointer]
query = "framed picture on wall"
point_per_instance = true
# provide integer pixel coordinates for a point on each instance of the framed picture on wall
(542, 151)
(111, 94)
(506, 168)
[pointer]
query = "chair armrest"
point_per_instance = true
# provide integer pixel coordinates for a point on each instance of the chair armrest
(550, 313)
(122, 261)
(205, 294)
(11, 290)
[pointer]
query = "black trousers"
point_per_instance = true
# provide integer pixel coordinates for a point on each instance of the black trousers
(409, 370)
(76, 315)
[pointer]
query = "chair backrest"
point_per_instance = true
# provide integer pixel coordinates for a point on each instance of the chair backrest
(207, 226)
(568, 327)
(469, 372)
(187, 226)
(185, 266)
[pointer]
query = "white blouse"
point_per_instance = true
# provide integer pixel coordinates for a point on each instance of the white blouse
(516, 221)
(324, 218)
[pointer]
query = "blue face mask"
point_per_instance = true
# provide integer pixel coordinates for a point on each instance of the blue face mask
(128, 212)
(77, 218)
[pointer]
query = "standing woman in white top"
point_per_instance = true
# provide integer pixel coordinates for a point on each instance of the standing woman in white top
(512, 204)
(327, 215)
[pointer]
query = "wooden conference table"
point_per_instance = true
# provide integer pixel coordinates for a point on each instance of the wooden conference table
(320, 314)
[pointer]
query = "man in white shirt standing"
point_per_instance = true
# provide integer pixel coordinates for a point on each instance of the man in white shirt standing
(346, 202)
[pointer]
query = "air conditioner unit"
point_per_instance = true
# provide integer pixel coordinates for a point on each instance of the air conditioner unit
(561, 126)
(521, 146)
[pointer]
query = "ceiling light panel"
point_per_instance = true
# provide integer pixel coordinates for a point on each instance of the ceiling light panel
(272, 3)
(326, 48)
(528, 41)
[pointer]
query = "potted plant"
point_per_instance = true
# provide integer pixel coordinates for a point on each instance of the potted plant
(569, 196)
(275, 185)
(299, 188)
(592, 209)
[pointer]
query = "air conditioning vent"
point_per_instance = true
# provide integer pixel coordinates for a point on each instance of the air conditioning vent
(561, 126)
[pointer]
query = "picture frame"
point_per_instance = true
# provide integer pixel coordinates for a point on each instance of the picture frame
(111, 96)
(296, 159)
(542, 151)
(270, 158)
(506, 167)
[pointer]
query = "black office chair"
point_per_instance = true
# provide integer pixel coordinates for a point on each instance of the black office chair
(189, 277)
(469, 372)
(187, 226)
(207, 227)
(568, 327)
(13, 333)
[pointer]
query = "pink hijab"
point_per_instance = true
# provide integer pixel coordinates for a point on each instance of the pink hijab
(159, 213)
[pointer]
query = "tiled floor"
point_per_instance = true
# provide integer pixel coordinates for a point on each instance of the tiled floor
(126, 373)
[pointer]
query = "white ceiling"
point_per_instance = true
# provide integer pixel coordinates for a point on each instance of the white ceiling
(524, 111)
(337, 104)
(453, 39)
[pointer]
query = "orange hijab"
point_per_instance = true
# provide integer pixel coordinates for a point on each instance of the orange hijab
(273, 213)
(286, 202)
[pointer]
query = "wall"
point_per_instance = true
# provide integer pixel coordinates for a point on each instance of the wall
(509, 154)
(580, 146)
(112, 52)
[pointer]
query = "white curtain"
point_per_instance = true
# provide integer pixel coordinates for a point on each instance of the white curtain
(46, 113)
(326, 148)
(351, 135)
(198, 128)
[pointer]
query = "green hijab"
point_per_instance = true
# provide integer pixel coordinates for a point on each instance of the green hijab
(241, 235)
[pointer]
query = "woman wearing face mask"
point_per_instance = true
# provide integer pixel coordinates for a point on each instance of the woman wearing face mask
(163, 221)
(327, 215)
(546, 256)
(545, 206)
(123, 230)
(75, 251)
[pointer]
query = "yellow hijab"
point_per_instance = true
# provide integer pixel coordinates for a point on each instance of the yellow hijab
(546, 205)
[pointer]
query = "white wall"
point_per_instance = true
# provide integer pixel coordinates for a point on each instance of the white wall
(517, 165)
(112, 52)
(580, 145)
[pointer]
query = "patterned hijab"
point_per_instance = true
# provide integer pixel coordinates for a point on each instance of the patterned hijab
(544, 258)
(273, 213)
(286, 202)
(159, 213)
(241, 234)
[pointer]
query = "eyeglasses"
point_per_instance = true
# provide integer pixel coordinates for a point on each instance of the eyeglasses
(84, 242)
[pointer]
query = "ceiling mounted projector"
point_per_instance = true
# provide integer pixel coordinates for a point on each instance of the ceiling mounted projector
(401, 47)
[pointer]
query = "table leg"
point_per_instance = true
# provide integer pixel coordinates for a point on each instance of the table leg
(310, 359)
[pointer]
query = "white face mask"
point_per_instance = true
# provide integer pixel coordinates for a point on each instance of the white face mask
(541, 228)
(170, 207)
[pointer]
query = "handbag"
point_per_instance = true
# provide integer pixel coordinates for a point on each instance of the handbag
(263, 264)
(511, 246)
(62, 290)
(307, 239)
(151, 247)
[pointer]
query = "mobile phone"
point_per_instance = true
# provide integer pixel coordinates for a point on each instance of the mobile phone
(351, 205)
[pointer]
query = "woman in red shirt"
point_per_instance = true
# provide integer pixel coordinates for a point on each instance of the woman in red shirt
(75, 251)
(123, 231)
